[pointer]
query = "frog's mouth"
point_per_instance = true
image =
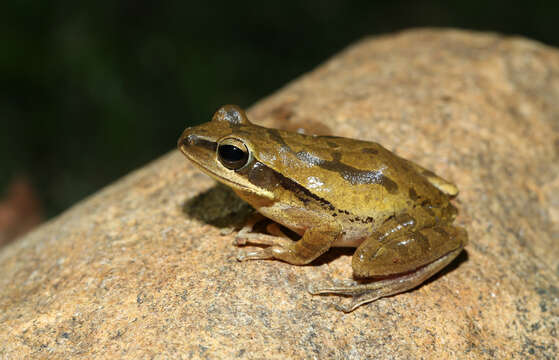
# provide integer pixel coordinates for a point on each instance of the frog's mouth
(217, 176)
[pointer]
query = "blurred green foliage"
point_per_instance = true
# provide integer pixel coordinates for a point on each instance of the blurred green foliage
(93, 89)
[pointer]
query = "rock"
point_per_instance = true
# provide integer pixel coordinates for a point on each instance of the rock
(140, 269)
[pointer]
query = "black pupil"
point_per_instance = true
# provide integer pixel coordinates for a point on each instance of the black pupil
(231, 153)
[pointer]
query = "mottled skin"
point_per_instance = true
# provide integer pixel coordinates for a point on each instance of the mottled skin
(333, 191)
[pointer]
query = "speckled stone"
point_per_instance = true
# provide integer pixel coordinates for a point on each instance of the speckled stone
(142, 270)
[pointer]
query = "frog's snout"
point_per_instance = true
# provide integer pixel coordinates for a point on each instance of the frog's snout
(186, 138)
(190, 142)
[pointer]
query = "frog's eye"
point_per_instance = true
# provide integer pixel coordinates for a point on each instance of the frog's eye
(232, 153)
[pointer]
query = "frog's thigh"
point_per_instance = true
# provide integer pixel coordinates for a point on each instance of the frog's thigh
(367, 292)
(407, 252)
(315, 242)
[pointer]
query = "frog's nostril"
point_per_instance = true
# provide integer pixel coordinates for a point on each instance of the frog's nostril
(189, 140)
(185, 140)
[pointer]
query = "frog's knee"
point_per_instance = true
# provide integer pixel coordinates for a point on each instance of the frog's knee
(364, 262)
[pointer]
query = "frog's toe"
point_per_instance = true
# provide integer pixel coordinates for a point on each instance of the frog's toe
(261, 239)
(357, 301)
(339, 287)
(316, 289)
(239, 241)
(342, 306)
(260, 254)
(226, 231)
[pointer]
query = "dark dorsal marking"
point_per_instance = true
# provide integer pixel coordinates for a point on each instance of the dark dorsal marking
(413, 194)
(349, 173)
(358, 177)
(276, 136)
(428, 207)
(370, 151)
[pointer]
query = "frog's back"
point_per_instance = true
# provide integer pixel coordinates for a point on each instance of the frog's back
(354, 176)
(384, 180)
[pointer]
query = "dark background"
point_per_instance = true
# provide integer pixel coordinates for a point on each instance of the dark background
(94, 89)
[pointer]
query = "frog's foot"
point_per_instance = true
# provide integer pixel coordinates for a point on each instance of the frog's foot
(363, 293)
(277, 243)
(315, 242)
(277, 246)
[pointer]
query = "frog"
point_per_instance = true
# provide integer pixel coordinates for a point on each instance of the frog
(332, 192)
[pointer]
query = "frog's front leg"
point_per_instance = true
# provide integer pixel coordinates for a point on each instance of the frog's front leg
(246, 236)
(404, 262)
(315, 242)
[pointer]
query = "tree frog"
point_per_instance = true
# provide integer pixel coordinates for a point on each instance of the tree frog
(333, 191)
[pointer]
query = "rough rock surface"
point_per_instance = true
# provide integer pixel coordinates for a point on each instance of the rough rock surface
(140, 269)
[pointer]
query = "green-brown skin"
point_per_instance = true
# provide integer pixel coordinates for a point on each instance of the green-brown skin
(333, 191)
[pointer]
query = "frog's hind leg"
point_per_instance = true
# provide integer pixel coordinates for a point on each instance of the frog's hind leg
(369, 292)
(404, 262)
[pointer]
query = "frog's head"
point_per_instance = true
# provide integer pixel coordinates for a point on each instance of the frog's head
(223, 148)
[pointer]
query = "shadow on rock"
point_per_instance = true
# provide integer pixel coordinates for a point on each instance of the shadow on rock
(219, 206)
